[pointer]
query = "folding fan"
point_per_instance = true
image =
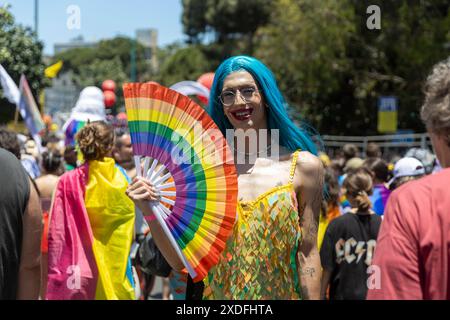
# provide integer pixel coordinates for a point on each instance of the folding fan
(178, 147)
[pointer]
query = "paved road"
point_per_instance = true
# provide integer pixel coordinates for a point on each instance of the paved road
(157, 290)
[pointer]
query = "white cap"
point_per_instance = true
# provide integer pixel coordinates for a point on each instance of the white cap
(90, 105)
(407, 167)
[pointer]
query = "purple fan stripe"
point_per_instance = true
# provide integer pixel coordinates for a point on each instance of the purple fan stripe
(182, 174)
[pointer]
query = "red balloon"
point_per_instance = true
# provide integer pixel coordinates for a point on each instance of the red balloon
(47, 119)
(110, 99)
(122, 116)
(109, 85)
(207, 80)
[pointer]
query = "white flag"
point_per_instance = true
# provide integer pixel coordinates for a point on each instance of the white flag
(10, 90)
(190, 88)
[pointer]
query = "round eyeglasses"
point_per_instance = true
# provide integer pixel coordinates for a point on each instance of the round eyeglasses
(228, 97)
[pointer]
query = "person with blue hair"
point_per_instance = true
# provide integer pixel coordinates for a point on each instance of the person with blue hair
(272, 253)
(291, 137)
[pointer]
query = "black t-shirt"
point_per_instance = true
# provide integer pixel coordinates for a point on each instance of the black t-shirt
(194, 291)
(347, 252)
(14, 194)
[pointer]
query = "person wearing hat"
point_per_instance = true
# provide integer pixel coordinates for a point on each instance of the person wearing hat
(89, 107)
(353, 164)
(425, 156)
(406, 169)
(412, 258)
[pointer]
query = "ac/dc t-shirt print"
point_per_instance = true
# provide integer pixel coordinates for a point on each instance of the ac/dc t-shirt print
(347, 252)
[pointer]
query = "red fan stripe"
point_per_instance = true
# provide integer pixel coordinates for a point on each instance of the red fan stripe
(153, 91)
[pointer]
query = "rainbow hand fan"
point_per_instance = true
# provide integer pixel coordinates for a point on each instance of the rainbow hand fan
(175, 140)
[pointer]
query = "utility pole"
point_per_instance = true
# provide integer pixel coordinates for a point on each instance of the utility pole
(36, 16)
(133, 61)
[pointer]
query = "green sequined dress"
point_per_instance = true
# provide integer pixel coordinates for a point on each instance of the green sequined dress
(260, 259)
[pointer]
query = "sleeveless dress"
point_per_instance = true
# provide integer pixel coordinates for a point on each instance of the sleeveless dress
(260, 258)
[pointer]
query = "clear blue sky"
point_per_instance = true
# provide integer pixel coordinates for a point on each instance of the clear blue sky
(101, 19)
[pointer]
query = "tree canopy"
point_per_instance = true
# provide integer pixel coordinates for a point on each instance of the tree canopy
(20, 53)
(331, 67)
(226, 21)
(108, 60)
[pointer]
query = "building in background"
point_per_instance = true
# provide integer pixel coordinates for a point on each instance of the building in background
(149, 39)
(77, 42)
(61, 97)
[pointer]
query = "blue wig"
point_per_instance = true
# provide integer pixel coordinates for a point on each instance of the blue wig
(291, 137)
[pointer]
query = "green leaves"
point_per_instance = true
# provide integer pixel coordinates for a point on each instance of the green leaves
(113, 55)
(333, 69)
(108, 60)
(224, 19)
(329, 65)
(187, 63)
(20, 53)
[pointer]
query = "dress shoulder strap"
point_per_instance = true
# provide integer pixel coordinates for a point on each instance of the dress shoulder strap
(293, 166)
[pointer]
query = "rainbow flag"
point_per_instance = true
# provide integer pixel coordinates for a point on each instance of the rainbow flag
(28, 109)
(91, 230)
(379, 198)
(71, 130)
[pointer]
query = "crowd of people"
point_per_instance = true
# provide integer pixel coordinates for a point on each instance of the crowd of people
(75, 221)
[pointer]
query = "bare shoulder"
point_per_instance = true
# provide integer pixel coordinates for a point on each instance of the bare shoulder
(307, 163)
(309, 172)
(33, 200)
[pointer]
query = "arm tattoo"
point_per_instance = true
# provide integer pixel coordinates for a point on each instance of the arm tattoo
(308, 272)
(313, 228)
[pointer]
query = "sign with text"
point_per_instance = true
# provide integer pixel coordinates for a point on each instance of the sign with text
(387, 114)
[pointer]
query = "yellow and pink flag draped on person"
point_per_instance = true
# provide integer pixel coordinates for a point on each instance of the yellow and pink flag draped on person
(90, 234)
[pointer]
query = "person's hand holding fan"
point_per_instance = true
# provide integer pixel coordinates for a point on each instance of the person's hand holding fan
(190, 170)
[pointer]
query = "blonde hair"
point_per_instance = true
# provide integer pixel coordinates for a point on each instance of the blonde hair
(436, 108)
(95, 140)
(358, 185)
